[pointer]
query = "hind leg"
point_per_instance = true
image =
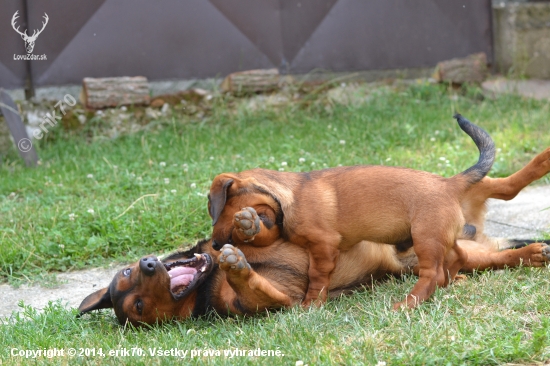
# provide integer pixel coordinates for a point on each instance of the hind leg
(508, 188)
(430, 271)
(439, 256)
(481, 258)
(473, 202)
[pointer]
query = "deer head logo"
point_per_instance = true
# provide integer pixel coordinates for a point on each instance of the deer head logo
(29, 41)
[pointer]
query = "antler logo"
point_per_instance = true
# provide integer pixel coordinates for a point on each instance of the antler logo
(29, 41)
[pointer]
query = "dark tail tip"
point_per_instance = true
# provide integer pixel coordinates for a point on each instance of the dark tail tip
(486, 148)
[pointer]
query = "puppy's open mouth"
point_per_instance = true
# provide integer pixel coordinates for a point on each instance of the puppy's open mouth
(185, 275)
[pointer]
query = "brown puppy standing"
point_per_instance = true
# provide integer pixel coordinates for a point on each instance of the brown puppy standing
(333, 209)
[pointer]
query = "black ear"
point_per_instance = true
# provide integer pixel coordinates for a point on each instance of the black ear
(100, 299)
(218, 196)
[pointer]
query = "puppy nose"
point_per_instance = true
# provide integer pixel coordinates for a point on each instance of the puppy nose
(148, 265)
(216, 245)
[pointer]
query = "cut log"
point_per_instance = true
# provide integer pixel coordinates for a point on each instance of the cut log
(471, 69)
(252, 81)
(98, 93)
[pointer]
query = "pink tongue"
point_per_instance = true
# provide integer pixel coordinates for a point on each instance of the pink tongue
(181, 276)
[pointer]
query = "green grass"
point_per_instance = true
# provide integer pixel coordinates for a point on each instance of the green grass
(95, 200)
(489, 319)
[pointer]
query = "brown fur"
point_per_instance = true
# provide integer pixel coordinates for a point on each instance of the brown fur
(278, 273)
(331, 210)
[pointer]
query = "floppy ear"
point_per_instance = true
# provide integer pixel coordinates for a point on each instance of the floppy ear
(98, 300)
(218, 196)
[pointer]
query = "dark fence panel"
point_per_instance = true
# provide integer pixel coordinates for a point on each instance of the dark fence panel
(12, 72)
(169, 39)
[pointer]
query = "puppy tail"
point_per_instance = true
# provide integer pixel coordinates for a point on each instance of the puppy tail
(486, 148)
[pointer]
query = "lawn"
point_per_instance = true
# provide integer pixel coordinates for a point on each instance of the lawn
(97, 199)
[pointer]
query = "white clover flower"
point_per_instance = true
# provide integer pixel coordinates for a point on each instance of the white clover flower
(72, 216)
(312, 163)
(61, 246)
(162, 164)
(342, 142)
(271, 159)
(91, 210)
(173, 191)
(442, 158)
(211, 158)
(193, 185)
(281, 169)
(301, 160)
(90, 176)
(166, 180)
(436, 132)
(284, 163)
(388, 159)
(432, 139)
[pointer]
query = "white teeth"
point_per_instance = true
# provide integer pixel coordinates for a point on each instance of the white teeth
(170, 275)
(198, 255)
(203, 268)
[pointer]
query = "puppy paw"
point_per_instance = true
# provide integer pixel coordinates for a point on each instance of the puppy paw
(247, 223)
(542, 253)
(539, 255)
(232, 260)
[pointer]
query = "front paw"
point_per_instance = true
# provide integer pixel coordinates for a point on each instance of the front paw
(247, 223)
(231, 259)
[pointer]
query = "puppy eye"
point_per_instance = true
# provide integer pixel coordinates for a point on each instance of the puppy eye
(127, 272)
(139, 306)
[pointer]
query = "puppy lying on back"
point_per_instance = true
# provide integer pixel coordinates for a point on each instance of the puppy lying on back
(253, 278)
(331, 210)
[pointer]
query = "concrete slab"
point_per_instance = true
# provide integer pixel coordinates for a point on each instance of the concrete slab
(537, 89)
(74, 287)
(527, 216)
